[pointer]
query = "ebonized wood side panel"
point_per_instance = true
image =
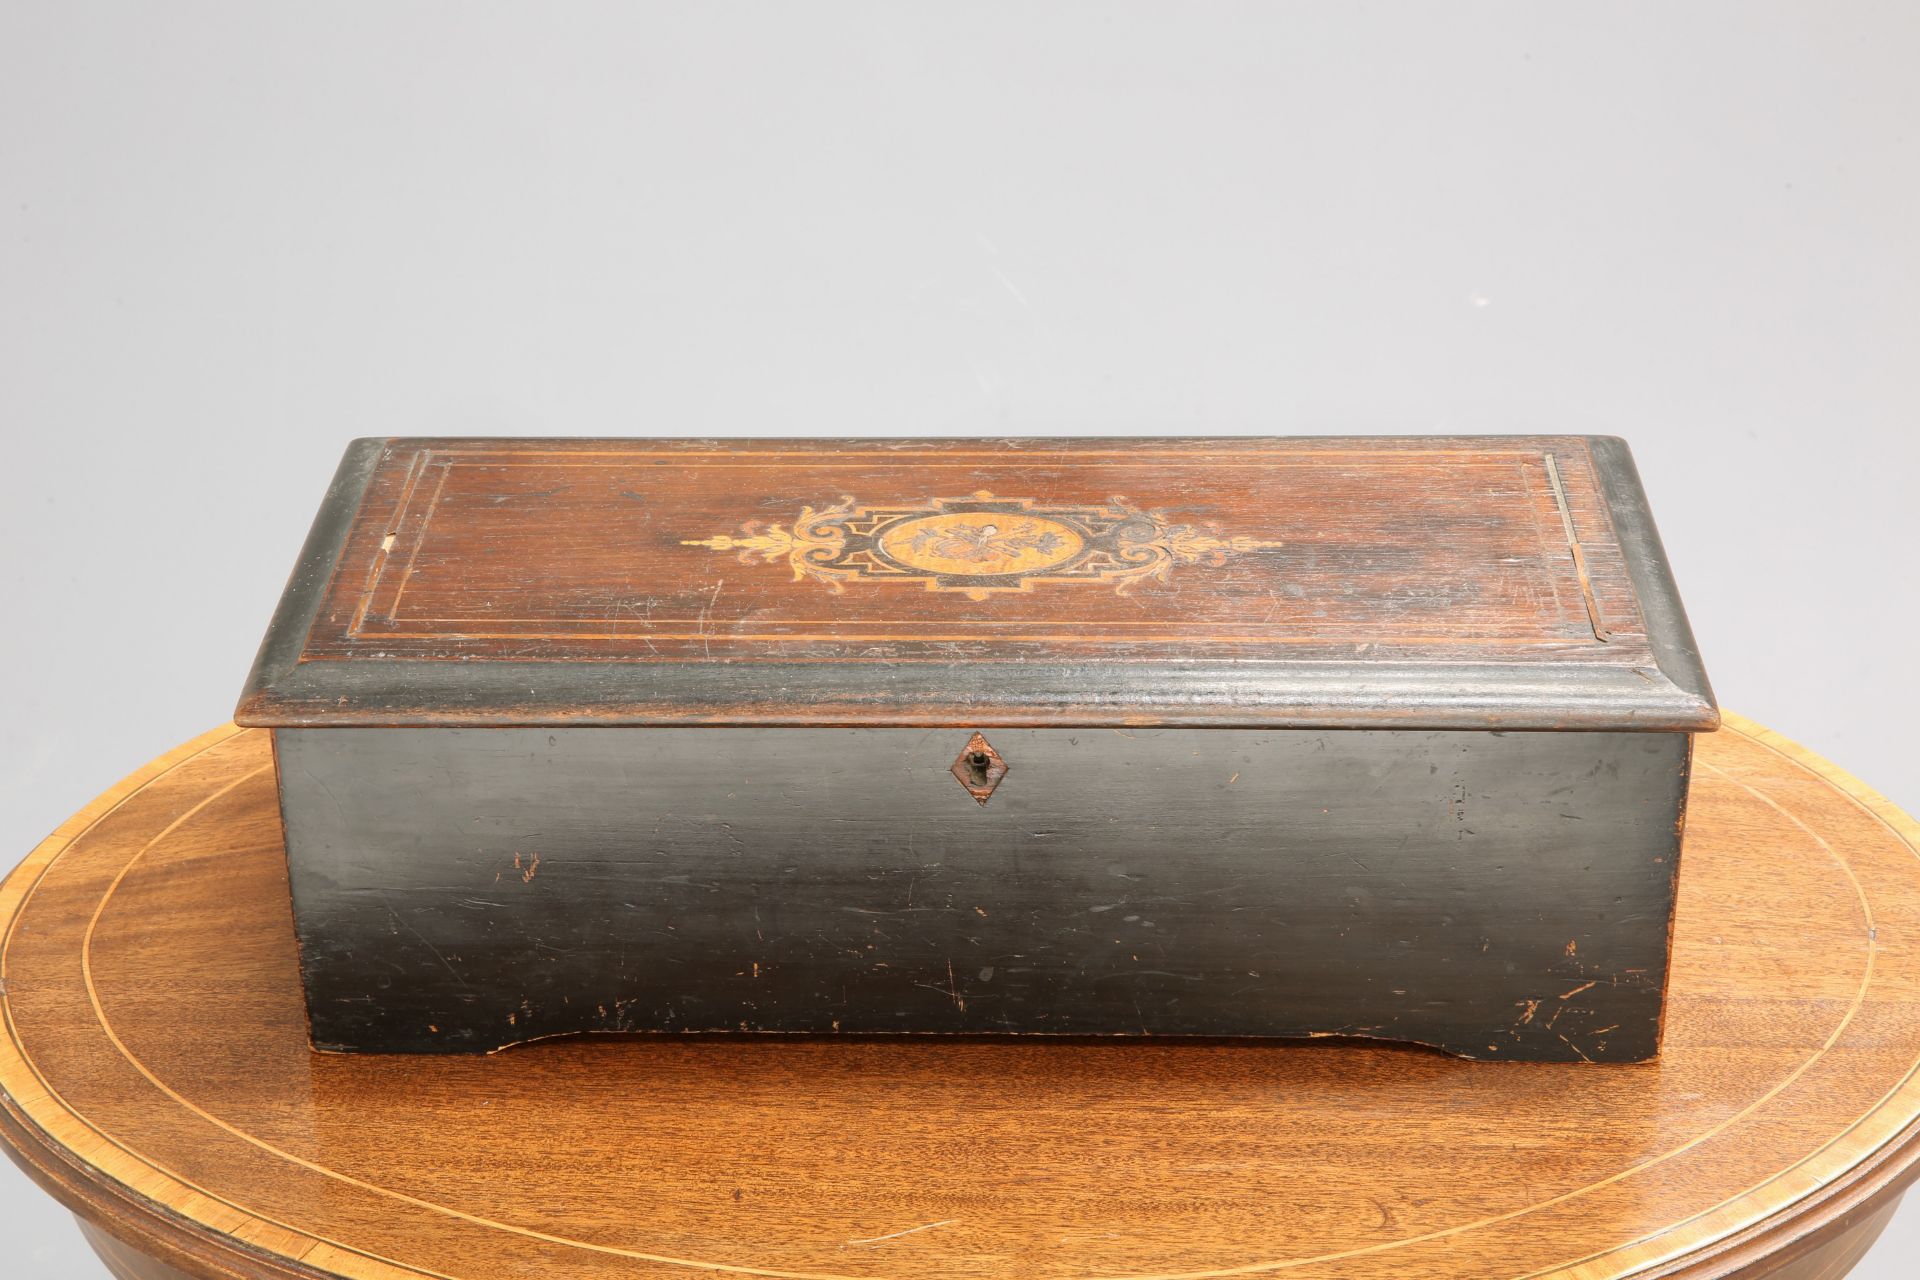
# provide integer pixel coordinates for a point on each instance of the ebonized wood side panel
(1499, 895)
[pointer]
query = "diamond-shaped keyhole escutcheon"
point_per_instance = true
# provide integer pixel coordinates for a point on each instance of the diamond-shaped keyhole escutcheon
(979, 768)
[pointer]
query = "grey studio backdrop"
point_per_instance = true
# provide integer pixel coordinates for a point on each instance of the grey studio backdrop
(233, 236)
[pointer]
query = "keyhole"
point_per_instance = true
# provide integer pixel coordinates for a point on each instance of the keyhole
(979, 768)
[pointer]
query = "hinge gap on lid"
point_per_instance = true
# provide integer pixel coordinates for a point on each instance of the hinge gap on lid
(1600, 631)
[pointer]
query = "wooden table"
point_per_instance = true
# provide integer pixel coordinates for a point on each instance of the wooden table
(157, 1082)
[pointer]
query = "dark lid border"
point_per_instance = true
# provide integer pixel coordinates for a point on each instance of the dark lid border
(1669, 634)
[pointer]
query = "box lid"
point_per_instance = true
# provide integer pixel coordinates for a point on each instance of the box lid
(1483, 582)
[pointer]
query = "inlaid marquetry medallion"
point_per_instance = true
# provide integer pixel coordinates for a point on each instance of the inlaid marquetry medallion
(984, 544)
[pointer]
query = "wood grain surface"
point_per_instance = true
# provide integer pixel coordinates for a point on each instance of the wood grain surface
(1503, 581)
(157, 1081)
(662, 551)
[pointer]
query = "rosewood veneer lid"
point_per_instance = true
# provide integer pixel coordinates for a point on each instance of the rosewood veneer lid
(1411, 582)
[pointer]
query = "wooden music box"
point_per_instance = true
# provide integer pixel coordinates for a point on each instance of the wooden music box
(1228, 737)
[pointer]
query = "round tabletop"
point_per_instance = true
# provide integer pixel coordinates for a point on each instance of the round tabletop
(156, 1079)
